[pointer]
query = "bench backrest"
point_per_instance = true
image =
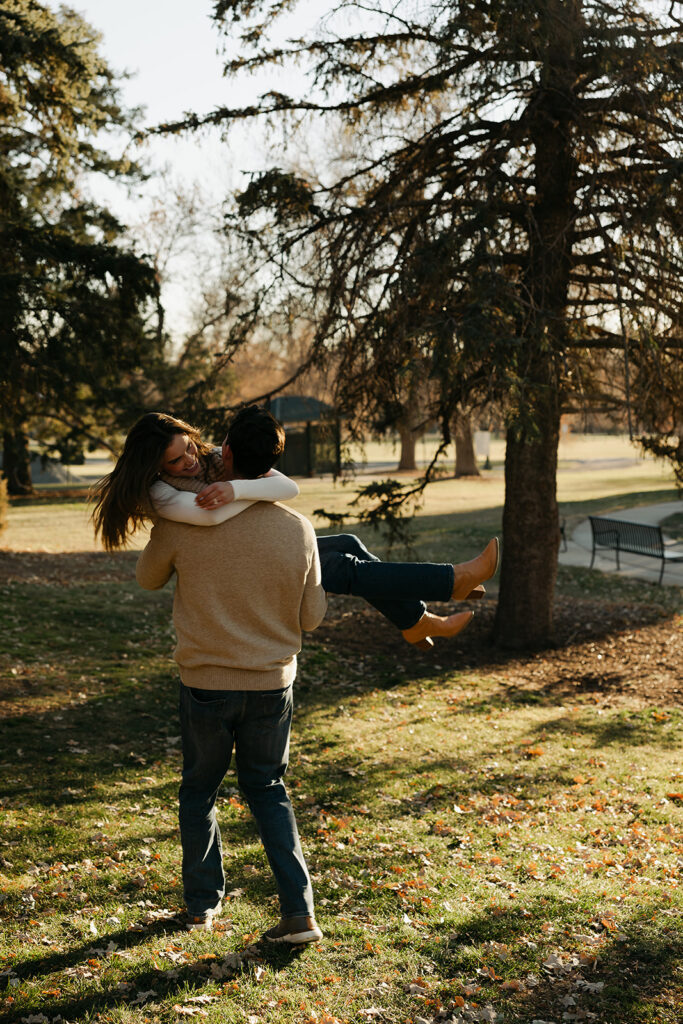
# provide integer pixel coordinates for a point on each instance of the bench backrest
(638, 538)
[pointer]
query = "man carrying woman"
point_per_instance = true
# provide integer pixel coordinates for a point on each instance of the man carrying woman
(167, 471)
(245, 589)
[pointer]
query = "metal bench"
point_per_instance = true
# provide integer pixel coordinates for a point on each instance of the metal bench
(636, 538)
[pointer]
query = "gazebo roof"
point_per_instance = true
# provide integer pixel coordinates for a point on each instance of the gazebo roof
(299, 409)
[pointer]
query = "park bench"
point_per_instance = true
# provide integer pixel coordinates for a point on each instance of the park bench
(636, 538)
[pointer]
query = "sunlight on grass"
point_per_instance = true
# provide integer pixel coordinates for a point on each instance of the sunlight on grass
(481, 850)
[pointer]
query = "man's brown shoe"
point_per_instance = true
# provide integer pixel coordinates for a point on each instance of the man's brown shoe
(294, 931)
(469, 575)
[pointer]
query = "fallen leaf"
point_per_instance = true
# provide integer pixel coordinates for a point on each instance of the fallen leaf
(416, 988)
(487, 1014)
(589, 986)
(513, 986)
(142, 997)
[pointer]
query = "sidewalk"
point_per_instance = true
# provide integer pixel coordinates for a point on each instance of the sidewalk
(580, 547)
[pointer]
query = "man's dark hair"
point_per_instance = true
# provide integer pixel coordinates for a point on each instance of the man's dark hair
(256, 441)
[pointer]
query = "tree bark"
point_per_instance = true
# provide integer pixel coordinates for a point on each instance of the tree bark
(409, 439)
(524, 616)
(16, 462)
(465, 457)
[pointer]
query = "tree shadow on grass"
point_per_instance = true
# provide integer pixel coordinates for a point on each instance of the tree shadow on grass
(118, 728)
(627, 651)
(108, 637)
(59, 786)
(605, 976)
(346, 783)
(73, 568)
(232, 960)
(134, 709)
(626, 728)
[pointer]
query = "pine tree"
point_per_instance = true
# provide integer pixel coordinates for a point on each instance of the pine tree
(72, 334)
(512, 205)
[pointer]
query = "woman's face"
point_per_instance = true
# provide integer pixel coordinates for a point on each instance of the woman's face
(180, 458)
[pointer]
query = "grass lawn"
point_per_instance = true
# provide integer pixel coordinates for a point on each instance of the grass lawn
(60, 526)
(490, 838)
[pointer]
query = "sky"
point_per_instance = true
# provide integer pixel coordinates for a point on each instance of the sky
(170, 50)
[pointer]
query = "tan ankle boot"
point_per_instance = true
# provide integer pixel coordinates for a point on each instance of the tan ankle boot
(436, 625)
(469, 575)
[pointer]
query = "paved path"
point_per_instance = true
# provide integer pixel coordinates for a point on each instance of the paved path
(580, 546)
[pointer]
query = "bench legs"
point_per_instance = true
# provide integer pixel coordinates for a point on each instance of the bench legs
(594, 553)
(616, 551)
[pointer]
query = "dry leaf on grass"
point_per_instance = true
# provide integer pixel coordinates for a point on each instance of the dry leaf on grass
(142, 997)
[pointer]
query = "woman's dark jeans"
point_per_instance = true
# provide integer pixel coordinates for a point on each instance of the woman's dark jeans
(396, 589)
(257, 724)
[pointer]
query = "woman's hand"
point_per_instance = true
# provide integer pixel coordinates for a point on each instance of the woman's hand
(215, 495)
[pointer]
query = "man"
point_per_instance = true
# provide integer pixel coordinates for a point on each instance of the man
(244, 591)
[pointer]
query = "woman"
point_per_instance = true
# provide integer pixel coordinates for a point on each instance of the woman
(165, 470)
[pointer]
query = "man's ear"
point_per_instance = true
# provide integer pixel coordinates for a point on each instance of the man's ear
(228, 461)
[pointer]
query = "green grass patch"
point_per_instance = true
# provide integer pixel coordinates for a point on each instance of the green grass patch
(479, 852)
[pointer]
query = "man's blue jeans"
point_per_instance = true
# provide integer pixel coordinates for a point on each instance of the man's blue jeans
(257, 724)
(396, 589)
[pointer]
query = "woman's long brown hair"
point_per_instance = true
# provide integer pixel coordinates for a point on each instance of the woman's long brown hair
(122, 500)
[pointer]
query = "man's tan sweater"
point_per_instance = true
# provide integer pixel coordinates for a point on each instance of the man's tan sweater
(244, 591)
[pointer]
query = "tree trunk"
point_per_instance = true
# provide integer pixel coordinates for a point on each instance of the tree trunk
(524, 616)
(465, 457)
(16, 462)
(409, 439)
